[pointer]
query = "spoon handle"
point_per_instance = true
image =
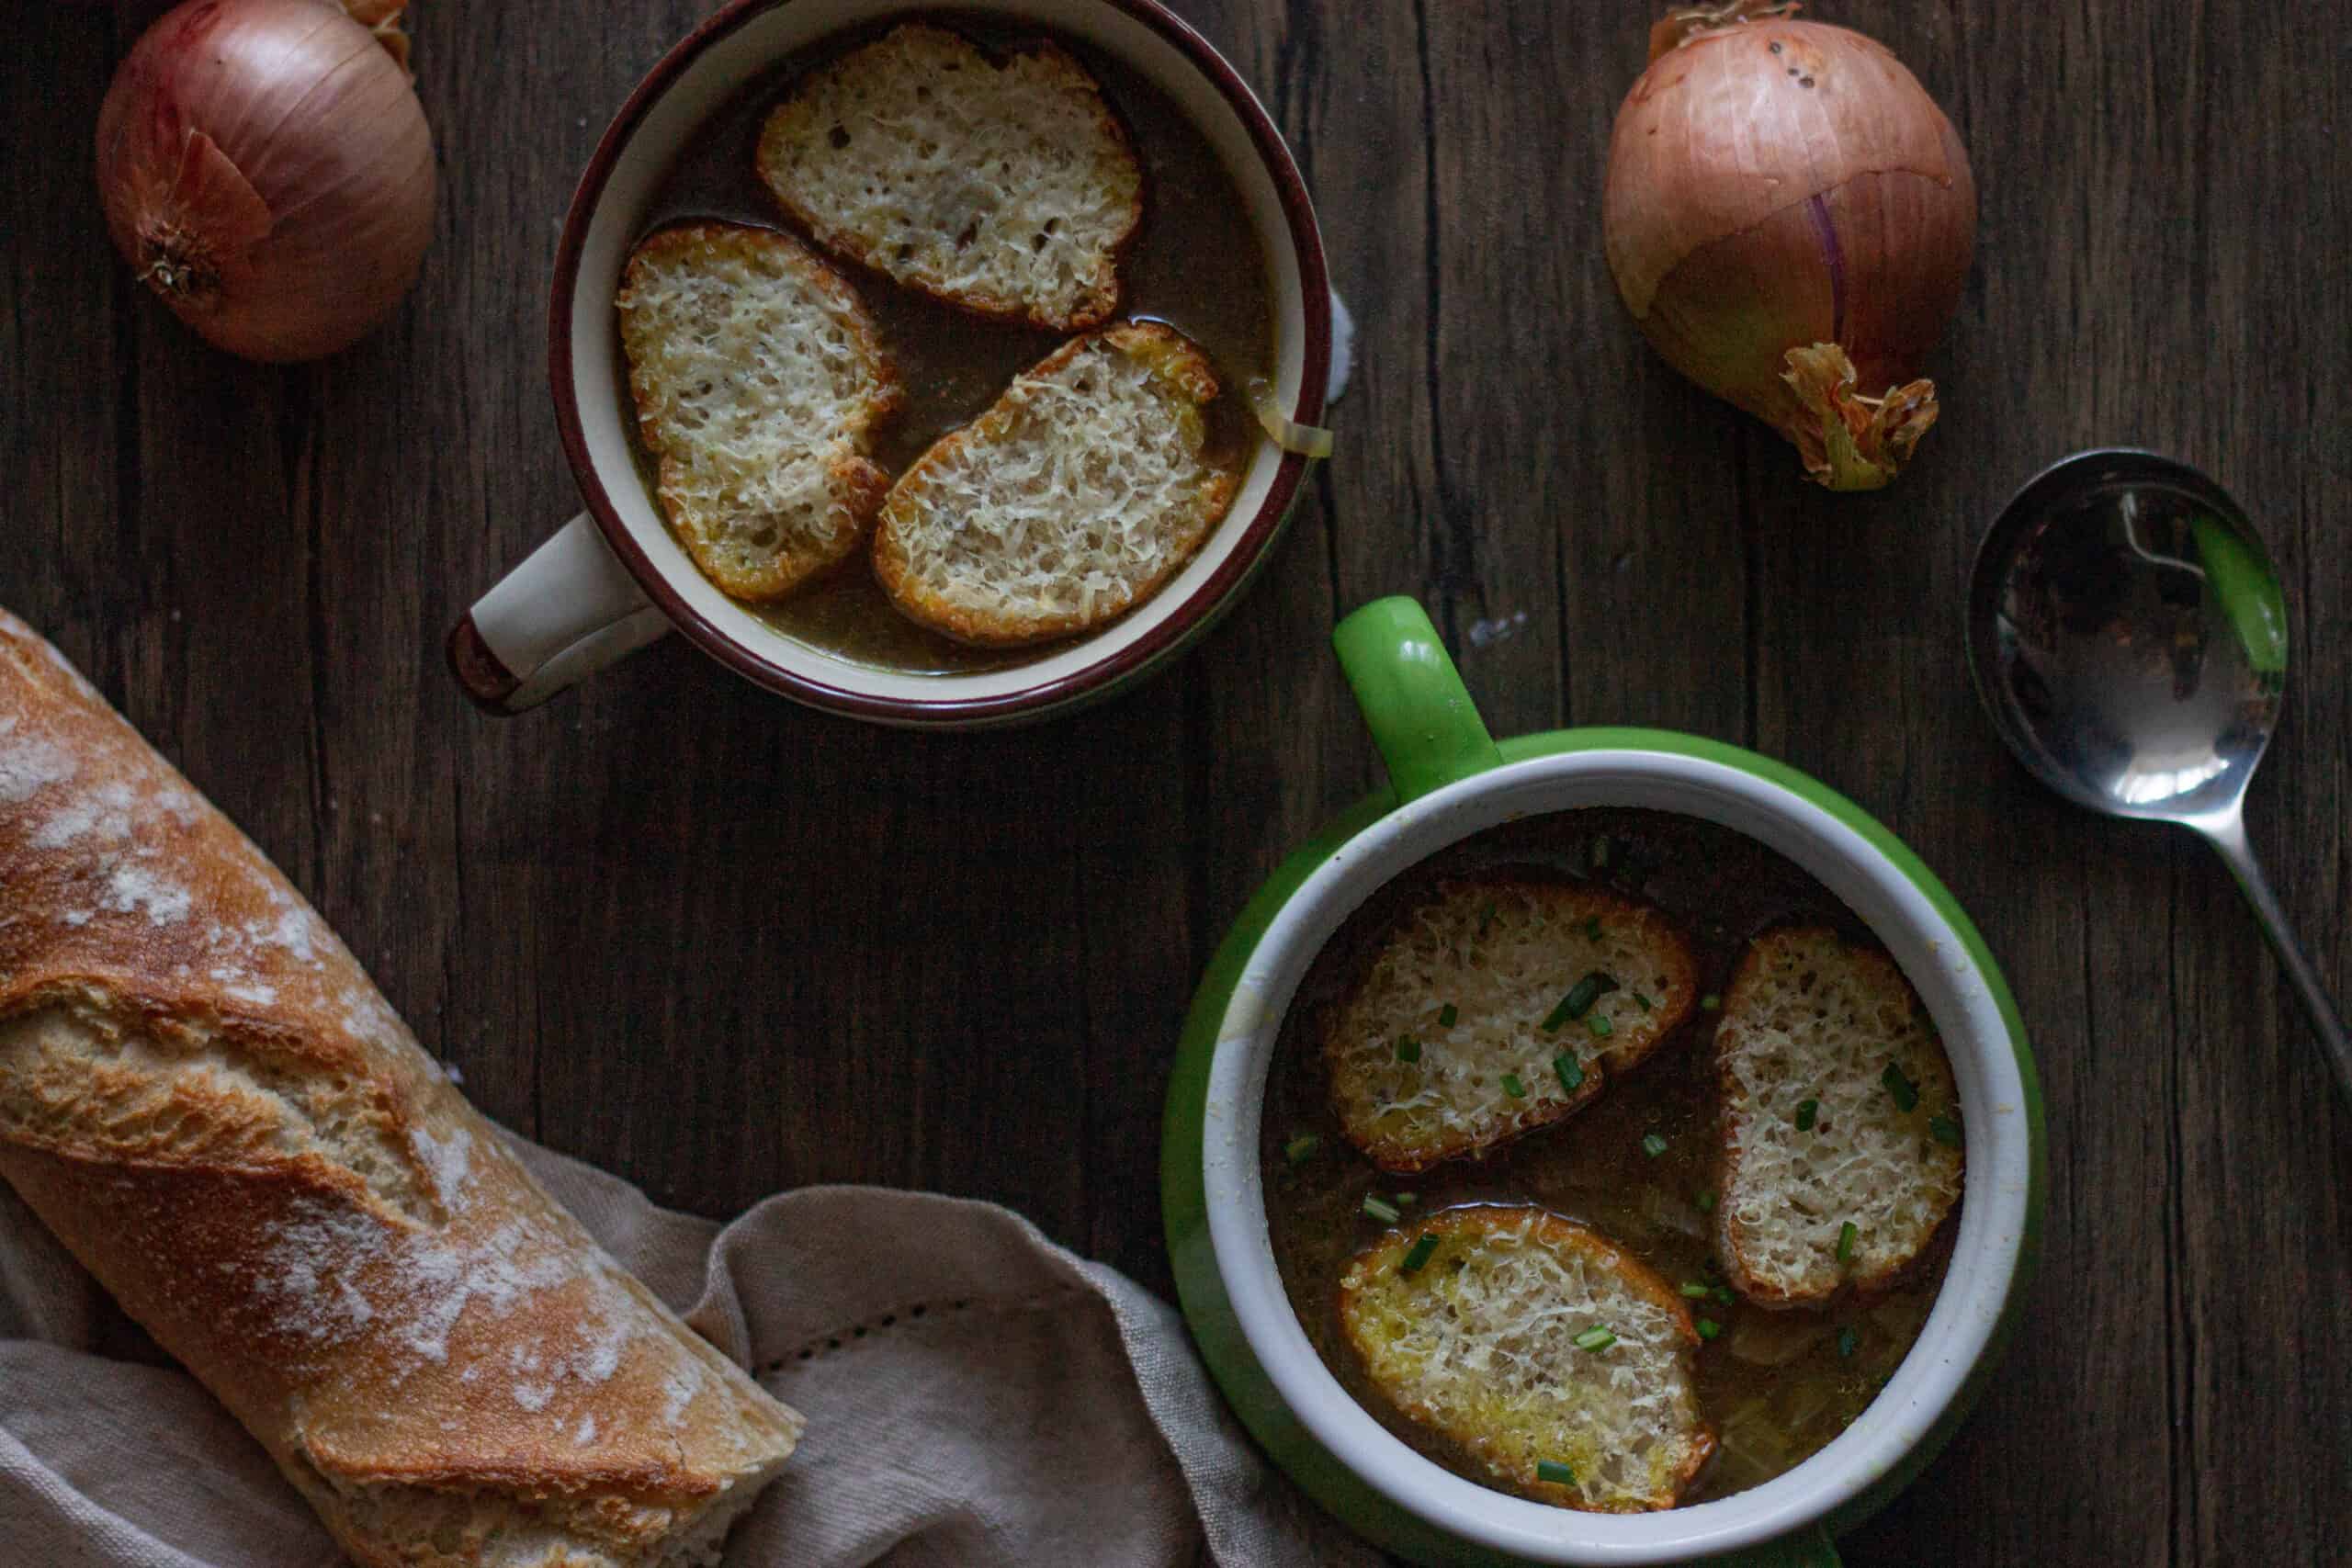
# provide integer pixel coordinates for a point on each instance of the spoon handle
(2226, 833)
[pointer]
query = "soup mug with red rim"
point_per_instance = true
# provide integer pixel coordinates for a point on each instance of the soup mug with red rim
(614, 579)
(1449, 780)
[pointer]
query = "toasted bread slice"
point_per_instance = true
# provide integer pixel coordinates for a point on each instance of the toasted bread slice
(1470, 995)
(758, 377)
(1478, 1341)
(1811, 1016)
(1004, 186)
(1070, 501)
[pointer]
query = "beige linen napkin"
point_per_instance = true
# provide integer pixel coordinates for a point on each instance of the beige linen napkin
(976, 1396)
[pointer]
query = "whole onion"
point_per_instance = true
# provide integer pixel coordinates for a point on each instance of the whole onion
(1792, 219)
(266, 167)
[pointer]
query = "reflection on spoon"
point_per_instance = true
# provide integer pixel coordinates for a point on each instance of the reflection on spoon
(2128, 635)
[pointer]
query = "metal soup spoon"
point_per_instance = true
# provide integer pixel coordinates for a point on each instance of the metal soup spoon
(2129, 636)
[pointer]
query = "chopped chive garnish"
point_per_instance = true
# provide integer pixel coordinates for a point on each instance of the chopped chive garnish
(1571, 1073)
(1555, 1472)
(1595, 1339)
(1302, 1148)
(1944, 1130)
(1408, 1048)
(1580, 996)
(1601, 851)
(1600, 1025)
(1485, 916)
(1417, 1256)
(1642, 1001)
(1848, 1233)
(1709, 1328)
(1513, 1088)
(1724, 1295)
(1710, 1002)
(1378, 1208)
(1593, 927)
(1653, 1145)
(1697, 1289)
(1706, 1202)
(1806, 1111)
(1906, 1092)
(1849, 1339)
(1404, 1197)
(1447, 1014)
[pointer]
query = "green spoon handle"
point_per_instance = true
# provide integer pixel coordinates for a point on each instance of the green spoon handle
(2226, 833)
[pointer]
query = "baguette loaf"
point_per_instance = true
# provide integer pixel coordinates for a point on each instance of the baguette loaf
(202, 1094)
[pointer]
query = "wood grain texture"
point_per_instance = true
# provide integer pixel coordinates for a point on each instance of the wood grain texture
(722, 945)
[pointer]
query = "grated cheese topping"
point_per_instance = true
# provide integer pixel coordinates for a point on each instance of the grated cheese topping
(1503, 954)
(1007, 187)
(1071, 499)
(1479, 1343)
(1810, 1015)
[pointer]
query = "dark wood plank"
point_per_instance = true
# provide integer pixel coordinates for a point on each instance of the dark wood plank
(64, 301)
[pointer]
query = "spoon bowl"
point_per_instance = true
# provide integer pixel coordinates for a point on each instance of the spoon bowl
(2128, 635)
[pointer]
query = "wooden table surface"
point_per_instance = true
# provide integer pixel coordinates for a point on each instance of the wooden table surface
(722, 946)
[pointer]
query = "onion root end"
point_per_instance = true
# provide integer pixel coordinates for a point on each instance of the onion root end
(1849, 441)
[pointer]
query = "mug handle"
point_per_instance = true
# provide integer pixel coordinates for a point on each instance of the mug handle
(1413, 701)
(570, 609)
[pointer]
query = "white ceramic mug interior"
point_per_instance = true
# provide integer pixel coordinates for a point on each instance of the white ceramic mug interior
(1992, 1221)
(731, 53)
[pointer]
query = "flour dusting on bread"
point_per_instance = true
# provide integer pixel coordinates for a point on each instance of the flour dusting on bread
(202, 1094)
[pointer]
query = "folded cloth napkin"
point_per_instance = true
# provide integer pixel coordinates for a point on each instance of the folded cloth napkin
(976, 1396)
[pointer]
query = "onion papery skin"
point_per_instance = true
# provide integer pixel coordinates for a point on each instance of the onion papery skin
(1775, 184)
(266, 169)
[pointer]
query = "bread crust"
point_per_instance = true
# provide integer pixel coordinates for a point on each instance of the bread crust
(1886, 1255)
(205, 1098)
(1180, 371)
(1524, 1226)
(854, 483)
(793, 126)
(1366, 1078)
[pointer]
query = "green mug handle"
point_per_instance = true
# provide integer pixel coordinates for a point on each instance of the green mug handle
(1413, 701)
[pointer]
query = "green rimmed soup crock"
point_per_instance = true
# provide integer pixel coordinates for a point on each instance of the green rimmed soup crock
(1448, 781)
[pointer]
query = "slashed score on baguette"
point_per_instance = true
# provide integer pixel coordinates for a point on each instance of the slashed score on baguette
(758, 379)
(1004, 184)
(1502, 1004)
(1841, 1138)
(1560, 1361)
(206, 1100)
(1072, 499)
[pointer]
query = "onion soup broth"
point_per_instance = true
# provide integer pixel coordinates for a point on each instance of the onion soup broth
(1639, 1164)
(1195, 264)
